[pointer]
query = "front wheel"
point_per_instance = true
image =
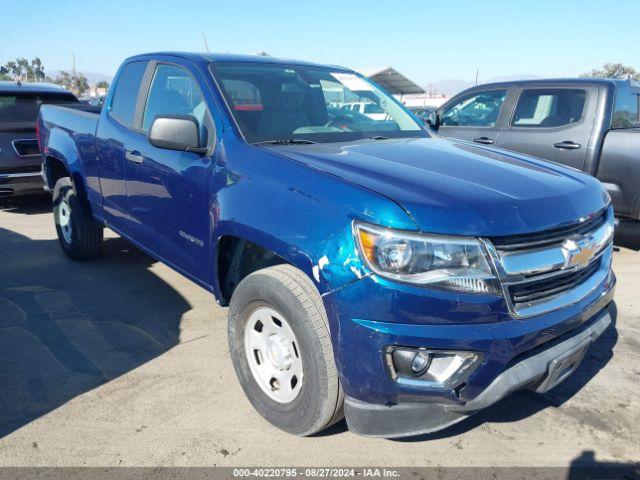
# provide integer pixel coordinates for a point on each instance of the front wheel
(281, 350)
(80, 235)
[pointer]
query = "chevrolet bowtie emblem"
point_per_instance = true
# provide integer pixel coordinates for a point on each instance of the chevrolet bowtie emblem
(578, 253)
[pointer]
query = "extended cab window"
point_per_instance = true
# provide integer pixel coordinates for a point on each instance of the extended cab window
(175, 92)
(549, 107)
(625, 110)
(123, 104)
(477, 110)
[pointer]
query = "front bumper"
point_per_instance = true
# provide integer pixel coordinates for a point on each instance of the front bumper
(540, 371)
(15, 184)
(516, 353)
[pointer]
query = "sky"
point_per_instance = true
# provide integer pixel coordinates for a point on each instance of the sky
(427, 41)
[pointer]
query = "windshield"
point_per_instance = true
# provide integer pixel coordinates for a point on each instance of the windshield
(272, 102)
(23, 107)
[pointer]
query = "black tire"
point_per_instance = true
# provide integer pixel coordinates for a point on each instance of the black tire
(289, 291)
(83, 240)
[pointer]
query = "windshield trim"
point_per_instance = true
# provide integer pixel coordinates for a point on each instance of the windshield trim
(348, 136)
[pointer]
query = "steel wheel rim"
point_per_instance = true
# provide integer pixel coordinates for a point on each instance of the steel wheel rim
(64, 219)
(273, 354)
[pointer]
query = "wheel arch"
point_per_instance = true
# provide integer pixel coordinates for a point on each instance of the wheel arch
(236, 257)
(55, 168)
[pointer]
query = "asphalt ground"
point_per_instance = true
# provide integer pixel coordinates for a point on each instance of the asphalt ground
(123, 362)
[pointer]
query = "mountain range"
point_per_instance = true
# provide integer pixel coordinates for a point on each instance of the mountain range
(454, 85)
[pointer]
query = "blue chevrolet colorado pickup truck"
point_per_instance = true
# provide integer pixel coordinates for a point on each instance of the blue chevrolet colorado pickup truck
(373, 270)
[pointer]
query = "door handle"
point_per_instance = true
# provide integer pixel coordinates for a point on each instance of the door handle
(567, 145)
(484, 140)
(134, 156)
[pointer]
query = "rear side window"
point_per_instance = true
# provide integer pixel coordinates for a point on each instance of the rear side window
(476, 110)
(123, 104)
(625, 110)
(24, 107)
(549, 108)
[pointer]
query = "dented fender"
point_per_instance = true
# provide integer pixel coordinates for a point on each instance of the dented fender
(300, 213)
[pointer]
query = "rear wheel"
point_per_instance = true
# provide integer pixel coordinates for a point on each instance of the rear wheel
(281, 350)
(80, 235)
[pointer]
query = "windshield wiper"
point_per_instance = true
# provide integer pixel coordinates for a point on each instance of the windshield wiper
(285, 141)
(379, 137)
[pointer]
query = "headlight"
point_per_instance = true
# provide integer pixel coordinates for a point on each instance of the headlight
(436, 261)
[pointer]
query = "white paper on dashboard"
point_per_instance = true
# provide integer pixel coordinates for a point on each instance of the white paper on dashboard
(352, 82)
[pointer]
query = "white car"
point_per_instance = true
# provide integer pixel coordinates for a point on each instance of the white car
(370, 109)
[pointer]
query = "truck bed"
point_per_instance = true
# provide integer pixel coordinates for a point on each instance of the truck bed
(619, 170)
(75, 120)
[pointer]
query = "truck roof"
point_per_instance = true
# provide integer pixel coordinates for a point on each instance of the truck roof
(616, 82)
(206, 58)
(31, 87)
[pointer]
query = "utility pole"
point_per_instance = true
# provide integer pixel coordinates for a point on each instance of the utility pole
(73, 64)
(476, 76)
(206, 45)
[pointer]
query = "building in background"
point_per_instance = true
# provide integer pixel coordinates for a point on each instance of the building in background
(407, 91)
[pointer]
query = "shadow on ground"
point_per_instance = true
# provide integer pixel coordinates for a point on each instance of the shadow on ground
(587, 467)
(28, 205)
(68, 327)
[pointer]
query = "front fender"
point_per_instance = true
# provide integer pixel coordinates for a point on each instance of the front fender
(300, 213)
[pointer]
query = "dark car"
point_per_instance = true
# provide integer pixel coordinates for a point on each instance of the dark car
(19, 153)
(426, 114)
(590, 124)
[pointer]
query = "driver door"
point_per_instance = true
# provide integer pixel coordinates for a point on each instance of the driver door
(168, 191)
(474, 117)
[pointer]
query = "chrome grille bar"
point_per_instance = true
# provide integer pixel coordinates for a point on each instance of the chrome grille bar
(528, 241)
(554, 257)
(543, 277)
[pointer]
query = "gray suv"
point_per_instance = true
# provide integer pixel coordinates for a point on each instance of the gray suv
(19, 153)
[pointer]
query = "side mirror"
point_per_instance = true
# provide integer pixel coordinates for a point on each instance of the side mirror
(176, 133)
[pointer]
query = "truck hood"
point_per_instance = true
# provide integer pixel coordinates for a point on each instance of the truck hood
(455, 187)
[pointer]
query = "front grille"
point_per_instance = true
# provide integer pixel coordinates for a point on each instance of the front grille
(541, 289)
(542, 272)
(550, 237)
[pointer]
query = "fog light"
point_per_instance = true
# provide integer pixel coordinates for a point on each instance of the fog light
(446, 369)
(420, 362)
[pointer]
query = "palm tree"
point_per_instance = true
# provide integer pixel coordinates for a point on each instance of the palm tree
(24, 70)
(38, 69)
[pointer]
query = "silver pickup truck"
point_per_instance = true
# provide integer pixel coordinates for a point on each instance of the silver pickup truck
(589, 124)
